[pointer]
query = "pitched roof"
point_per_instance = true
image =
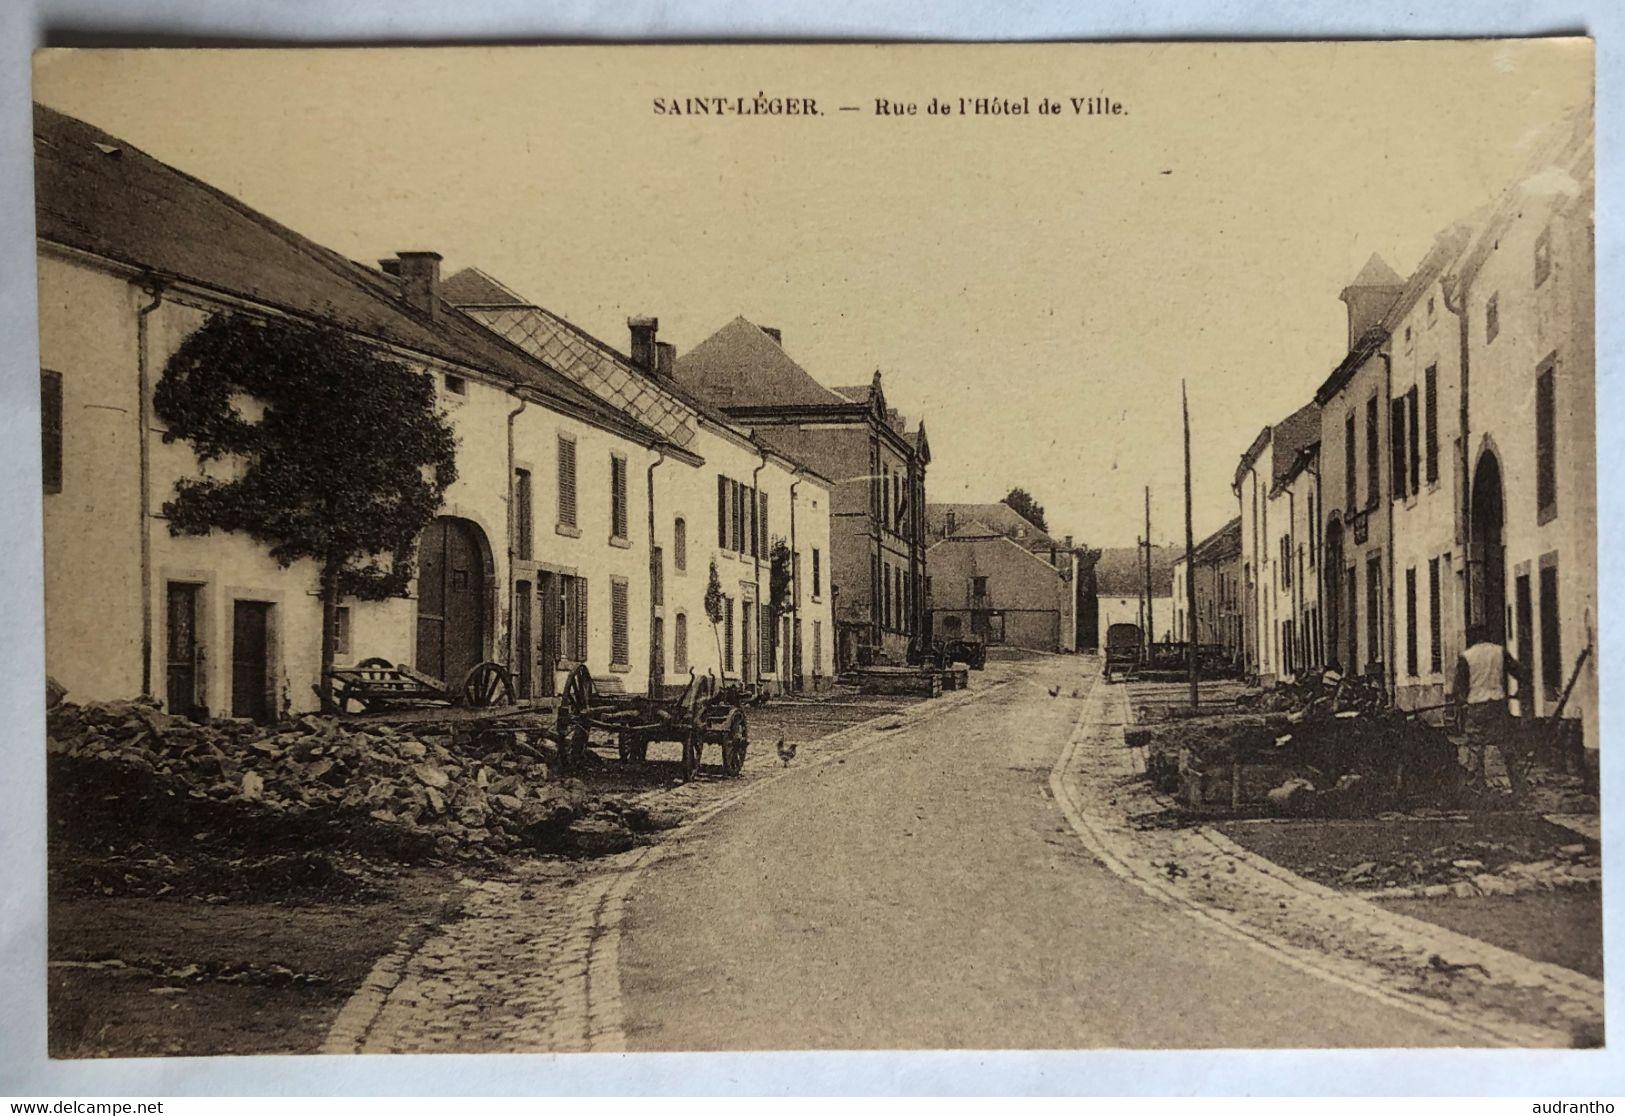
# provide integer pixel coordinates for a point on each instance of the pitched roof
(1120, 571)
(739, 365)
(1223, 543)
(999, 518)
(100, 195)
(1377, 273)
(600, 369)
(1293, 434)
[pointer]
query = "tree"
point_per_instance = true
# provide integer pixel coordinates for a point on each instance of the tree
(1022, 503)
(713, 607)
(346, 466)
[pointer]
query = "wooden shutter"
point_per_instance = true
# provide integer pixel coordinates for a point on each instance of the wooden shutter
(620, 636)
(722, 512)
(581, 619)
(567, 481)
(761, 524)
(617, 496)
(522, 512)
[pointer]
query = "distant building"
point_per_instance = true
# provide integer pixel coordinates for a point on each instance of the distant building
(997, 577)
(1215, 620)
(1120, 591)
(875, 462)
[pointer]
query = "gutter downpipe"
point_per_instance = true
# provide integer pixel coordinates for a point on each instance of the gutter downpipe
(795, 587)
(660, 458)
(1455, 301)
(513, 525)
(1392, 670)
(154, 287)
(756, 552)
(1295, 600)
(1319, 556)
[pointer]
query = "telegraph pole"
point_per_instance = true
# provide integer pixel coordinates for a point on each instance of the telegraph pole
(1150, 621)
(1190, 555)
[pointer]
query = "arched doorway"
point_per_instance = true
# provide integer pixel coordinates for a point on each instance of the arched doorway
(453, 581)
(1332, 595)
(1486, 592)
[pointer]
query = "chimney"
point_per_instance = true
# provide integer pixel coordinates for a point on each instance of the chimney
(643, 341)
(665, 359)
(773, 332)
(391, 266)
(420, 281)
(1069, 542)
(1370, 296)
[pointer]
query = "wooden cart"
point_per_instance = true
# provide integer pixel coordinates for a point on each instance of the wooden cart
(376, 685)
(703, 714)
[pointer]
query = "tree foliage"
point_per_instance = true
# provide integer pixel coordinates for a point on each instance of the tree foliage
(1022, 503)
(781, 573)
(348, 463)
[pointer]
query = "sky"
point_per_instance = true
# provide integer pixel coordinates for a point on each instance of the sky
(1034, 287)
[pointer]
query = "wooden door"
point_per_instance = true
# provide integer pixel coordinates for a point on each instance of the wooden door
(524, 649)
(182, 656)
(451, 600)
(250, 660)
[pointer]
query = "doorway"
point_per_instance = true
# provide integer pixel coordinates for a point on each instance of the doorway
(451, 599)
(547, 647)
(1486, 590)
(1525, 654)
(524, 650)
(251, 660)
(182, 651)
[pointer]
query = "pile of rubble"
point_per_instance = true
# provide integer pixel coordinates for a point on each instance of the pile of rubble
(127, 772)
(1468, 868)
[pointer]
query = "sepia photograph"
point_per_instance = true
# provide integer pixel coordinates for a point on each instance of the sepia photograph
(822, 547)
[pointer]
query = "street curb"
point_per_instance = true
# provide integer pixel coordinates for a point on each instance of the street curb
(1353, 976)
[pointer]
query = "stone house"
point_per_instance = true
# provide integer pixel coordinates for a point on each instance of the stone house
(135, 255)
(1120, 591)
(993, 575)
(732, 501)
(875, 463)
(1215, 620)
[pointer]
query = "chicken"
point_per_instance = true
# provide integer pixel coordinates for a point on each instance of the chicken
(1054, 691)
(787, 752)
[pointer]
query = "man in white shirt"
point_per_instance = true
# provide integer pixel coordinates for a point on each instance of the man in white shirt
(1481, 704)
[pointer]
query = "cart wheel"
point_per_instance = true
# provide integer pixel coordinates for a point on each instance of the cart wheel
(375, 663)
(487, 685)
(693, 751)
(633, 750)
(735, 739)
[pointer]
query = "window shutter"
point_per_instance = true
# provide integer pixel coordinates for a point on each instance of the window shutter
(581, 619)
(722, 512)
(567, 481)
(1416, 439)
(617, 496)
(620, 637)
(679, 544)
(761, 523)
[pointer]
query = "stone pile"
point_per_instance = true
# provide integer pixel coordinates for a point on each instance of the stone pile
(129, 768)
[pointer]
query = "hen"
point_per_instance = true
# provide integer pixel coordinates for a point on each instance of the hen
(787, 752)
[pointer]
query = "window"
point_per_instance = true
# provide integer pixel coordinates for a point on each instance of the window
(740, 509)
(341, 630)
(1543, 256)
(679, 646)
(522, 513)
(1410, 621)
(1314, 532)
(657, 575)
(1551, 651)
(1435, 620)
(1414, 439)
(1286, 562)
(1546, 440)
(1431, 397)
(818, 584)
(727, 633)
(1373, 607)
(1373, 463)
(567, 482)
(1396, 447)
(679, 545)
(1349, 470)
(617, 496)
(724, 505)
(818, 648)
(1492, 318)
(50, 409)
(456, 385)
(620, 650)
(761, 525)
(978, 587)
(572, 633)
(885, 596)
(885, 495)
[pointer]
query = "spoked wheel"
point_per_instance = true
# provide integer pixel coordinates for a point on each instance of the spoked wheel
(693, 750)
(633, 750)
(735, 739)
(487, 685)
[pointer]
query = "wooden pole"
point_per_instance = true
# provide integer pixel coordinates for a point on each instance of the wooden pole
(1190, 555)
(1150, 620)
